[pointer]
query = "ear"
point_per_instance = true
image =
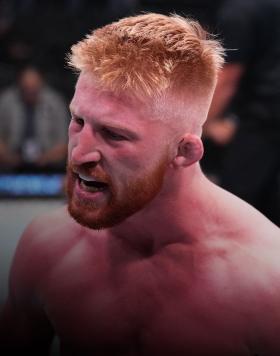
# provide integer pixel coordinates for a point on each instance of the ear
(190, 150)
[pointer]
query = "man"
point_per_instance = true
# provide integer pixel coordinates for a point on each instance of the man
(33, 121)
(157, 260)
(248, 89)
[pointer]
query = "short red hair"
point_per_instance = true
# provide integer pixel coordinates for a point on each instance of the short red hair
(149, 53)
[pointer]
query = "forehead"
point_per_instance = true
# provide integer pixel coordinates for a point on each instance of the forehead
(91, 102)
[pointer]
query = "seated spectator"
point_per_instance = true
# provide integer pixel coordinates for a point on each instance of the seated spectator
(33, 121)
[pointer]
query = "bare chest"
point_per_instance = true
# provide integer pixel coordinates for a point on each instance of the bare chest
(139, 309)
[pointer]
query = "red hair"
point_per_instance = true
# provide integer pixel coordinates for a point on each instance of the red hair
(148, 54)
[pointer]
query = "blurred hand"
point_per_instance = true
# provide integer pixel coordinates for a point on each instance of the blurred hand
(55, 155)
(221, 131)
(9, 158)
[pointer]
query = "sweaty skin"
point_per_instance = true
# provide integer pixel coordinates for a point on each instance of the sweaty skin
(196, 271)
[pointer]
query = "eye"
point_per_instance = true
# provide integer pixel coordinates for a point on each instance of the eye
(78, 120)
(111, 135)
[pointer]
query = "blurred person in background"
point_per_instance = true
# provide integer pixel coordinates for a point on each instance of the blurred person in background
(244, 118)
(33, 125)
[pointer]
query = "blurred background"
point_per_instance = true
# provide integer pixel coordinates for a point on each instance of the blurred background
(241, 136)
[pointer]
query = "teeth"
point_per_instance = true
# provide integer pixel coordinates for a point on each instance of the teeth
(87, 178)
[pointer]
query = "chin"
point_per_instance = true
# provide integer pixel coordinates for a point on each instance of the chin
(96, 219)
(135, 196)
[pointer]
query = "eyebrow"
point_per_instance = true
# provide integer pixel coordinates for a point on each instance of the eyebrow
(120, 129)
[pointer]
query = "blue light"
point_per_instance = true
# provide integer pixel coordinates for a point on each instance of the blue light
(31, 184)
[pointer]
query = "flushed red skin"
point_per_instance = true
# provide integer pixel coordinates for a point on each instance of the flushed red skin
(102, 297)
(195, 272)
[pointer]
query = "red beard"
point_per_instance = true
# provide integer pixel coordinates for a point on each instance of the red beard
(138, 193)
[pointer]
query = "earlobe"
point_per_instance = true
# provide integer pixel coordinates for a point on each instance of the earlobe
(190, 151)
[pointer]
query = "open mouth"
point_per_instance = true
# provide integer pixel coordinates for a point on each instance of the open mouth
(92, 185)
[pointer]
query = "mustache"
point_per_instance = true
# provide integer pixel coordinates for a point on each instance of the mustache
(89, 169)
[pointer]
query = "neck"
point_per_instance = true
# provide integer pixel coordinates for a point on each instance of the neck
(179, 214)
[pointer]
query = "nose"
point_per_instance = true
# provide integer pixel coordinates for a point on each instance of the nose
(85, 149)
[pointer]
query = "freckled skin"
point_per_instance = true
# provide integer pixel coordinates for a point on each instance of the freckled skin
(195, 272)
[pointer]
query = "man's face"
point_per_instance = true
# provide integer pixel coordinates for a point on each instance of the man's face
(117, 157)
(30, 85)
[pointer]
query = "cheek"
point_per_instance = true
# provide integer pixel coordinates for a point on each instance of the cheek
(131, 160)
(127, 165)
(127, 156)
(121, 167)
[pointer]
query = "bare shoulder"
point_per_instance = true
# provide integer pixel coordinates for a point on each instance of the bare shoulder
(256, 279)
(49, 223)
(243, 273)
(250, 255)
(255, 239)
(248, 244)
(246, 233)
(44, 242)
(257, 252)
(54, 229)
